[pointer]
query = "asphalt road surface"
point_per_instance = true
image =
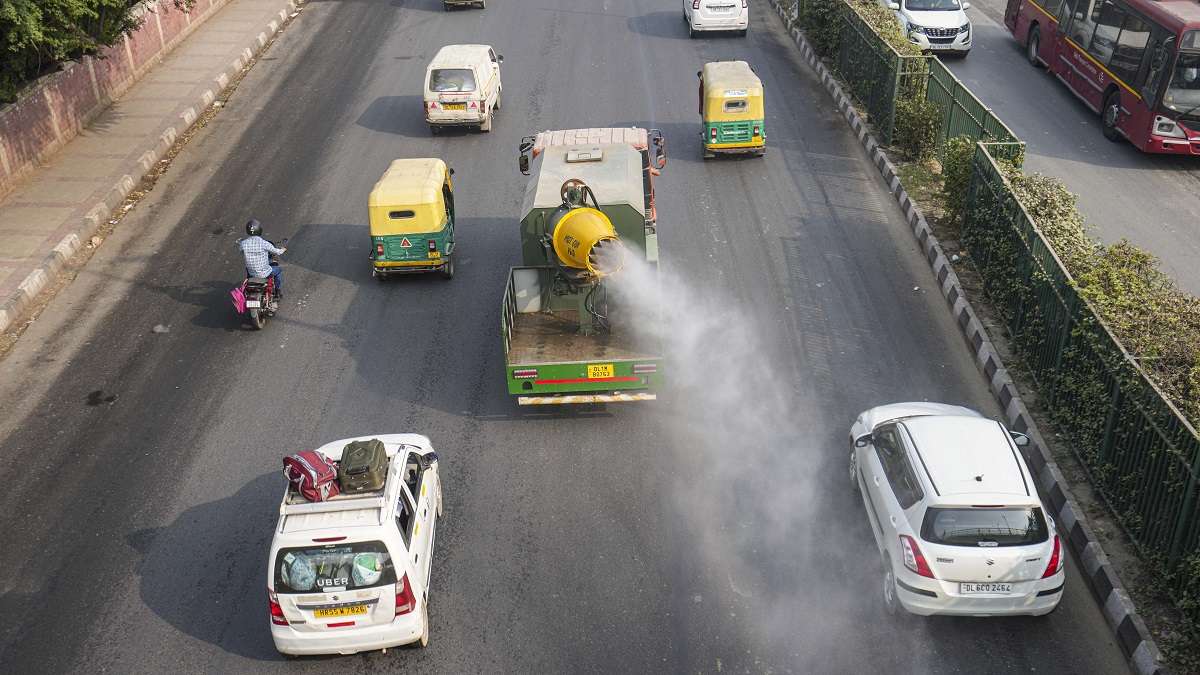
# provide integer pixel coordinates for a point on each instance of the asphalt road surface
(714, 530)
(1152, 200)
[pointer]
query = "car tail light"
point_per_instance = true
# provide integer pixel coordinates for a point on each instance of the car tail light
(644, 368)
(913, 558)
(712, 133)
(325, 540)
(756, 130)
(432, 245)
(695, 4)
(526, 374)
(378, 249)
(277, 617)
(1056, 560)
(405, 602)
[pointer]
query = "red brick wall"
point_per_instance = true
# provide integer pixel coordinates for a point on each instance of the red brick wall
(57, 107)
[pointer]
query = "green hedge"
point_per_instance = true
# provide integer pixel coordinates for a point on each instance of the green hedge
(37, 36)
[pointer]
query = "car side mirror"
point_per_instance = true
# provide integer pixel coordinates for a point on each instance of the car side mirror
(862, 441)
(523, 163)
(894, 6)
(500, 58)
(450, 171)
(1019, 438)
(966, 5)
(700, 74)
(429, 459)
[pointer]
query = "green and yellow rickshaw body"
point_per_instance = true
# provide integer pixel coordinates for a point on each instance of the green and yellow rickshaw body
(731, 109)
(411, 212)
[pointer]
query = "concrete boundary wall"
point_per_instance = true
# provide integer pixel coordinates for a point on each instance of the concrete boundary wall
(58, 106)
(1122, 617)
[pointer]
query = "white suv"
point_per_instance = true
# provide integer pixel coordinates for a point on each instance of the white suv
(939, 26)
(706, 15)
(955, 513)
(352, 573)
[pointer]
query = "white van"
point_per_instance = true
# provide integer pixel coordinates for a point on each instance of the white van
(351, 574)
(704, 15)
(462, 87)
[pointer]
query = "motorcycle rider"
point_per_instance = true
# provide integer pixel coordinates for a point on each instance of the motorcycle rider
(256, 252)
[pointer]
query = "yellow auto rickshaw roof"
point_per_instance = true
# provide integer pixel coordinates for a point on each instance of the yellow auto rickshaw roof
(410, 182)
(730, 75)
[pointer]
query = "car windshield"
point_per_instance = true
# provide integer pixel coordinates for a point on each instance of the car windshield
(932, 5)
(1184, 90)
(336, 567)
(452, 79)
(986, 526)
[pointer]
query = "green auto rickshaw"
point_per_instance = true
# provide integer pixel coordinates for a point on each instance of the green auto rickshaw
(412, 219)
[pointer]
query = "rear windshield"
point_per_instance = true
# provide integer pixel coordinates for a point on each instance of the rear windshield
(452, 79)
(334, 567)
(1018, 526)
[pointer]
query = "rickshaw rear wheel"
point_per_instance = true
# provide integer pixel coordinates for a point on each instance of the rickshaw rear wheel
(448, 268)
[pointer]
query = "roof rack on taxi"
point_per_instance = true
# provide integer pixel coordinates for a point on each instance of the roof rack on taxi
(334, 505)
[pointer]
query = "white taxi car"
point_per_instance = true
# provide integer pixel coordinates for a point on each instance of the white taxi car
(956, 517)
(352, 573)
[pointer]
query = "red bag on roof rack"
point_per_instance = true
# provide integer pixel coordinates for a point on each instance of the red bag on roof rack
(312, 475)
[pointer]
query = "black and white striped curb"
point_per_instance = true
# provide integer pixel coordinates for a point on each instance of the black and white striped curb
(14, 307)
(1131, 632)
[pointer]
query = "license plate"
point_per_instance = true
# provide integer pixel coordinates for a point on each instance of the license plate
(253, 303)
(454, 106)
(596, 371)
(984, 589)
(435, 254)
(334, 612)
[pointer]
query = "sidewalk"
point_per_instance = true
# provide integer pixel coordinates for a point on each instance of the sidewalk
(58, 207)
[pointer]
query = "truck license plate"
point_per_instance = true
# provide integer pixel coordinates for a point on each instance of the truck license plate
(596, 371)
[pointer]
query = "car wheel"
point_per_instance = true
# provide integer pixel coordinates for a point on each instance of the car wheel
(1109, 116)
(486, 125)
(742, 32)
(434, 130)
(890, 602)
(499, 95)
(854, 473)
(691, 31)
(424, 641)
(446, 6)
(1032, 46)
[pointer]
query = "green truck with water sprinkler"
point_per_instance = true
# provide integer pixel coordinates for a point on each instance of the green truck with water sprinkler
(588, 213)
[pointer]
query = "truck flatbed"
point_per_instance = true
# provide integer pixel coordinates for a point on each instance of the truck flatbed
(542, 337)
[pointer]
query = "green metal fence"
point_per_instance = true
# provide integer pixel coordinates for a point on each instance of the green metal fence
(1142, 455)
(963, 114)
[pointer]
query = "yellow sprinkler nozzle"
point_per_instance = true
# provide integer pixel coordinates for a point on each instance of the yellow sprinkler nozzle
(584, 238)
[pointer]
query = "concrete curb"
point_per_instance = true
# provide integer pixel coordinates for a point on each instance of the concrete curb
(1131, 632)
(13, 308)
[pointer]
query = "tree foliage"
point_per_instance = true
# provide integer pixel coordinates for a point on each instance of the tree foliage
(37, 36)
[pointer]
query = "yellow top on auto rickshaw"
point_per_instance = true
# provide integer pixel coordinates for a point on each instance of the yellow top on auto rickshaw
(411, 212)
(731, 109)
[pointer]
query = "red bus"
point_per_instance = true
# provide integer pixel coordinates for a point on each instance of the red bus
(1135, 62)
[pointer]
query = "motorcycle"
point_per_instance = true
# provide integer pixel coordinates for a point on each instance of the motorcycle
(256, 296)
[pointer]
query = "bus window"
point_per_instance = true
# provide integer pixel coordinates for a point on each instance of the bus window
(1052, 6)
(1108, 27)
(1131, 49)
(1084, 23)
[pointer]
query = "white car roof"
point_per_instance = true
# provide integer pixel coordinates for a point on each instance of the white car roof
(458, 56)
(369, 509)
(970, 458)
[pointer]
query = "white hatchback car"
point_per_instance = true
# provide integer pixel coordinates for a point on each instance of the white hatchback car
(955, 513)
(939, 26)
(351, 574)
(711, 15)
